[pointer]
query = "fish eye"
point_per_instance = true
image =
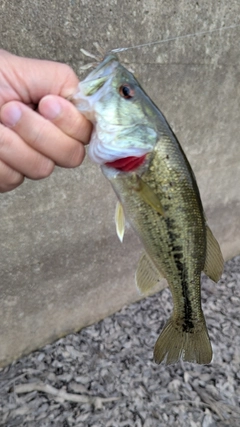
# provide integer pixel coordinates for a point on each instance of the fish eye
(126, 91)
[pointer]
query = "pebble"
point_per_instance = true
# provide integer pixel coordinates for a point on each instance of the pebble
(207, 421)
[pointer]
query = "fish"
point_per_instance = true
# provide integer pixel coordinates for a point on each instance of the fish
(158, 194)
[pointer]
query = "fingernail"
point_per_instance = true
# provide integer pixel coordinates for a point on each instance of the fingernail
(12, 115)
(52, 109)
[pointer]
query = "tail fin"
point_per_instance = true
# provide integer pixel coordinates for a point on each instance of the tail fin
(174, 344)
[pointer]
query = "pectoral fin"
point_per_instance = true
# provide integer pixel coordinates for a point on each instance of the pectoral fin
(119, 221)
(214, 260)
(149, 196)
(147, 275)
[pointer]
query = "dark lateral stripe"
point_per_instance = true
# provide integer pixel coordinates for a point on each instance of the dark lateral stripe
(178, 255)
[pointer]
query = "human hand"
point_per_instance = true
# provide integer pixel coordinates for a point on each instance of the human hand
(33, 141)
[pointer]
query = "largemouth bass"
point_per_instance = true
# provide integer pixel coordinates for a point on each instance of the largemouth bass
(157, 191)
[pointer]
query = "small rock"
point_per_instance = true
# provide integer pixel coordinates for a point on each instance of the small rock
(207, 420)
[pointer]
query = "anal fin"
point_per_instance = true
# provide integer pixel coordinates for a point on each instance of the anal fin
(147, 275)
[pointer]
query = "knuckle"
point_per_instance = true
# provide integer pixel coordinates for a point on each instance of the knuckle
(76, 156)
(80, 127)
(4, 188)
(17, 180)
(37, 137)
(4, 140)
(68, 72)
(10, 180)
(64, 75)
(43, 169)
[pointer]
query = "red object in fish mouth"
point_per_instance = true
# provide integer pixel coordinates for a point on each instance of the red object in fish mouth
(127, 164)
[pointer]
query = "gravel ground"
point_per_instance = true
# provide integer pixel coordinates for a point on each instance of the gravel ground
(104, 376)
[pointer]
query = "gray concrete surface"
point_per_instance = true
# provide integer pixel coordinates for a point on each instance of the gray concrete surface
(61, 265)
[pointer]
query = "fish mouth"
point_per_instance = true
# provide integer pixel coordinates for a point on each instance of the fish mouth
(95, 86)
(105, 67)
(103, 72)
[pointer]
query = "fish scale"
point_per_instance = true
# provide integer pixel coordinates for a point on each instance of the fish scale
(172, 226)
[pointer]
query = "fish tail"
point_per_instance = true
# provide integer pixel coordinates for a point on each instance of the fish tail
(178, 342)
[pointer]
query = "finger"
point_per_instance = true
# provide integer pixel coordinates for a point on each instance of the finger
(32, 79)
(9, 178)
(65, 116)
(22, 158)
(43, 136)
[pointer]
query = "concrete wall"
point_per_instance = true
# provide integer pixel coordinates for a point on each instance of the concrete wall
(61, 264)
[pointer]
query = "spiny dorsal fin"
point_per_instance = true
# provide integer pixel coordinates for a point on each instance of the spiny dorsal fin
(147, 275)
(149, 196)
(214, 260)
(119, 221)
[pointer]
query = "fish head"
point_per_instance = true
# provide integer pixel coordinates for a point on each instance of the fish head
(123, 116)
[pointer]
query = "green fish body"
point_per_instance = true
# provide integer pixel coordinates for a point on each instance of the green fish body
(157, 190)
